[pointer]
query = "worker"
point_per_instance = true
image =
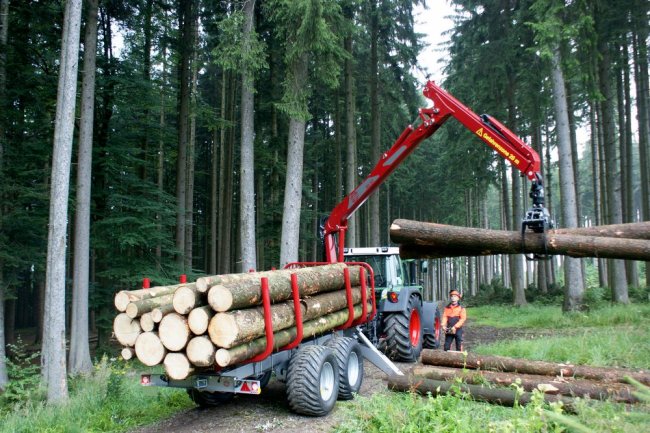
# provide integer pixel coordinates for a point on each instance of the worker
(453, 320)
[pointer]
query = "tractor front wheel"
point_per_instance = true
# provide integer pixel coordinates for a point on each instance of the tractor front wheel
(404, 332)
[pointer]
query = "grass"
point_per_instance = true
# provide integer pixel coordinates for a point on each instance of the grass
(608, 336)
(108, 401)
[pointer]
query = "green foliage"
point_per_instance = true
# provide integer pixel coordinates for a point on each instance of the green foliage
(23, 369)
(110, 400)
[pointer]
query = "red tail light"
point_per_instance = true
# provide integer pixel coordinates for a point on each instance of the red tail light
(392, 297)
(145, 380)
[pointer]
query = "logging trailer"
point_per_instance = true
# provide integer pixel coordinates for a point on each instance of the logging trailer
(321, 369)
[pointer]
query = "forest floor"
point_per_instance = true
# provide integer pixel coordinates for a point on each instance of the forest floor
(269, 412)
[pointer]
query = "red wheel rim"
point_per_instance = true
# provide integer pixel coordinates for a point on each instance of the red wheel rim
(414, 328)
(436, 327)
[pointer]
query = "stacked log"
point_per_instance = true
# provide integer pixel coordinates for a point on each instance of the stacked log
(557, 382)
(219, 321)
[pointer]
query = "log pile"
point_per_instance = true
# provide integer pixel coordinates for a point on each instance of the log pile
(557, 382)
(218, 321)
(429, 240)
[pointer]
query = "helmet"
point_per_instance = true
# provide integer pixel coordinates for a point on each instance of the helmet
(455, 292)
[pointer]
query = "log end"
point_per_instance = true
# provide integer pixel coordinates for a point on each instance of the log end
(184, 300)
(220, 298)
(149, 349)
(222, 357)
(200, 351)
(202, 284)
(121, 301)
(222, 330)
(132, 310)
(177, 366)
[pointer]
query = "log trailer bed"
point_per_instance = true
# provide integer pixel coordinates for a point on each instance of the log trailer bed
(328, 365)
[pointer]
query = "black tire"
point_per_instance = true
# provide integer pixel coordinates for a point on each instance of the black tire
(313, 381)
(401, 343)
(350, 361)
(432, 341)
(209, 399)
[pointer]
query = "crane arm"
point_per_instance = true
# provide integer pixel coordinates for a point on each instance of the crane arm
(488, 129)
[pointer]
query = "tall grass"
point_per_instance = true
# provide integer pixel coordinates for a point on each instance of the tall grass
(108, 401)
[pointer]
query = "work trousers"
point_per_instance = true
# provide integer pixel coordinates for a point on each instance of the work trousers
(458, 336)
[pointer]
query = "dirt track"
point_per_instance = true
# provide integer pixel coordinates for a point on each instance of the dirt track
(269, 412)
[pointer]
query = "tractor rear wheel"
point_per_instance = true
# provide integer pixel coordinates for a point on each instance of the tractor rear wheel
(313, 381)
(350, 360)
(404, 332)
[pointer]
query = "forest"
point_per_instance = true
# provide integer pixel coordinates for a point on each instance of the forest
(208, 137)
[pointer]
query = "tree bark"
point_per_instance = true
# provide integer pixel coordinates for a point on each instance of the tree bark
(529, 382)
(174, 332)
(525, 366)
(4, 32)
(244, 294)
(429, 240)
(573, 282)
(503, 397)
(247, 180)
(149, 349)
(53, 359)
(138, 308)
(191, 147)
(375, 120)
(225, 357)
(241, 326)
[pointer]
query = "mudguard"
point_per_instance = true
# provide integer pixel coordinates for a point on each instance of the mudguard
(430, 310)
(402, 300)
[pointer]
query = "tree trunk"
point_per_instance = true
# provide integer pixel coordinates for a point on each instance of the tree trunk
(429, 240)
(4, 32)
(503, 397)
(214, 188)
(185, 25)
(247, 293)
(529, 382)
(138, 308)
(525, 366)
(617, 275)
(247, 179)
(375, 121)
(79, 357)
(225, 357)
(573, 282)
(53, 357)
(149, 349)
(241, 326)
(351, 137)
(293, 185)
(191, 150)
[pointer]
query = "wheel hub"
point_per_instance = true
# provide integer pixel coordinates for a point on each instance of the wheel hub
(326, 381)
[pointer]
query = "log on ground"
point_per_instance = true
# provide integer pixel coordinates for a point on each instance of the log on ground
(430, 240)
(225, 357)
(502, 363)
(240, 326)
(549, 385)
(311, 280)
(503, 397)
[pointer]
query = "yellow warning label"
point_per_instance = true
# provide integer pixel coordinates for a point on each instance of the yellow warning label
(480, 132)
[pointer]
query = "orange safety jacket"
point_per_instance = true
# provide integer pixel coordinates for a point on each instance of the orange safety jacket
(455, 315)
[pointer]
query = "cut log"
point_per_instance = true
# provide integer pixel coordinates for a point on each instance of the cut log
(638, 230)
(126, 329)
(429, 240)
(123, 298)
(240, 326)
(549, 385)
(149, 349)
(312, 280)
(187, 298)
(225, 357)
(199, 319)
(200, 351)
(158, 313)
(174, 332)
(502, 363)
(138, 308)
(177, 366)
(500, 396)
(127, 353)
(146, 322)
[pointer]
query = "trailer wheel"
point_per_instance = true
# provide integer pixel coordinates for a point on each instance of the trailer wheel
(350, 361)
(404, 332)
(209, 399)
(313, 381)
(432, 341)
